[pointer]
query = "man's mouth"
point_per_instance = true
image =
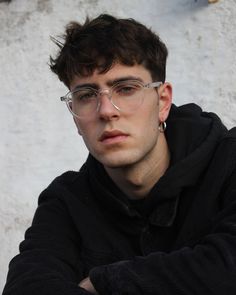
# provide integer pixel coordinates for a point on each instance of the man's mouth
(112, 136)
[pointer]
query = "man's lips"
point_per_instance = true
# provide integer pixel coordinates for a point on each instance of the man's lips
(112, 135)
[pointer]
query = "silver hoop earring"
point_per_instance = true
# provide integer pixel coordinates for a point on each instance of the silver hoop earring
(162, 127)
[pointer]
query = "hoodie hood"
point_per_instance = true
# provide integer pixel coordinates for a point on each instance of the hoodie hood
(192, 136)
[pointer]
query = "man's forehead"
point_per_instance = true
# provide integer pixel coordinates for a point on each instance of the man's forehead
(116, 73)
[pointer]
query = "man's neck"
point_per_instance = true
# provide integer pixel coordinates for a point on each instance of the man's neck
(137, 180)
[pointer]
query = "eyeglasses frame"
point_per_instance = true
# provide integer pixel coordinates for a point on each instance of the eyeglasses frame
(108, 91)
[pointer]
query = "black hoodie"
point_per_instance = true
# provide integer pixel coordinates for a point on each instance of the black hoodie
(181, 239)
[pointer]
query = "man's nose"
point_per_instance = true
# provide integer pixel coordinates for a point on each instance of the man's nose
(106, 109)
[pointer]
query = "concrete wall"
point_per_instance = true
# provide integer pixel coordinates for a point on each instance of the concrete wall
(38, 139)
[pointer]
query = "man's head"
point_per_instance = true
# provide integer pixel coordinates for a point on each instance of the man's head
(115, 70)
(100, 43)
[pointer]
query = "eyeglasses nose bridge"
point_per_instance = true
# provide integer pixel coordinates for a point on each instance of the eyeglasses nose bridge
(100, 93)
(108, 92)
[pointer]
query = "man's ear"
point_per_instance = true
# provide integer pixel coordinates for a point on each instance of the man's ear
(77, 126)
(165, 101)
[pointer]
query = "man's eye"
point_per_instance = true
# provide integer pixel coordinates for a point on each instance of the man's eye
(126, 89)
(84, 95)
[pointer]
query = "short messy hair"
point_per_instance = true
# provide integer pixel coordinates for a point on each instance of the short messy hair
(103, 41)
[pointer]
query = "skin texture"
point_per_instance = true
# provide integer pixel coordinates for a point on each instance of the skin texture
(87, 285)
(137, 156)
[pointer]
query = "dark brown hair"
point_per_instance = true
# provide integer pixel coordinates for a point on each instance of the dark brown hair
(103, 41)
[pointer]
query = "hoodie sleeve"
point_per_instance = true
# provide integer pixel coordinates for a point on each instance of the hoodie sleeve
(48, 262)
(207, 268)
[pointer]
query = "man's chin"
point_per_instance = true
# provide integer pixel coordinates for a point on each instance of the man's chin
(115, 163)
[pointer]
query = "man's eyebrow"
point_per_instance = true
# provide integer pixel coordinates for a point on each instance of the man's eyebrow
(109, 82)
(86, 85)
(122, 79)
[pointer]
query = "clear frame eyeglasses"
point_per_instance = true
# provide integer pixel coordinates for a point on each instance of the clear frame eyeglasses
(124, 96)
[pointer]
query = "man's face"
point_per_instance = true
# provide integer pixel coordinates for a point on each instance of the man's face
(119, 138)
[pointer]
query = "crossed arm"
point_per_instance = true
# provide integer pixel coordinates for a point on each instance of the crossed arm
(49, 264)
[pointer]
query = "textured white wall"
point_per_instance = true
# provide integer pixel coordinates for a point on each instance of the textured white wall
(38, 139)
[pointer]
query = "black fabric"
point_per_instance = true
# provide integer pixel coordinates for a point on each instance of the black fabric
(180, 240)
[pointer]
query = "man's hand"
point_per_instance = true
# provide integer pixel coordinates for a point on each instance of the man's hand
(87, 285)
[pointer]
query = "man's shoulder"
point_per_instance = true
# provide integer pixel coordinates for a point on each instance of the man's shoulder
(231, 133)
(229, 139)
(225, 154)
(68, 184)
(68, 178)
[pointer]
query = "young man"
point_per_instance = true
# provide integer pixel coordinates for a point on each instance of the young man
(153, 209)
